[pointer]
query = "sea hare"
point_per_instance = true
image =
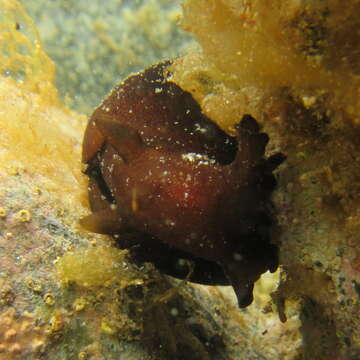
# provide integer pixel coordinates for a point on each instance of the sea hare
(175, 189)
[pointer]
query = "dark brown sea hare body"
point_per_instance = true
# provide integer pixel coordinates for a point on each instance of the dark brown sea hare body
(174, 186)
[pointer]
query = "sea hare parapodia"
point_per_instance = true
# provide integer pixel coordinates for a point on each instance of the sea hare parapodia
(175, 186)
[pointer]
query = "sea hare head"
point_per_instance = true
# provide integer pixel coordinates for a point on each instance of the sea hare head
(175, 187)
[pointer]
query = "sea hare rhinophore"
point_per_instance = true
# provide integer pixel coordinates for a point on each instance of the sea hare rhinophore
(175, 187)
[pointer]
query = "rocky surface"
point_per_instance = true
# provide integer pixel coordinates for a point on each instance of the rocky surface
(95, 44)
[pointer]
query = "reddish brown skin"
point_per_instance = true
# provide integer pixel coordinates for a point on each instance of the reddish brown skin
(171, 185)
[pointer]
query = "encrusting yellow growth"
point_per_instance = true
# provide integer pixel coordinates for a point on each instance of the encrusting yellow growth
(38, 134)
(22, 54)
(93, 267)
(254, 51)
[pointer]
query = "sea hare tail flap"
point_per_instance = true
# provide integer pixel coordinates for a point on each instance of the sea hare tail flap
(242, 284)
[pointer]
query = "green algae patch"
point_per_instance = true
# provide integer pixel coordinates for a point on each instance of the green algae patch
(93, 267)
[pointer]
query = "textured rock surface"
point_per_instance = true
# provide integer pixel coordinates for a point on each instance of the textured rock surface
(95, 44)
